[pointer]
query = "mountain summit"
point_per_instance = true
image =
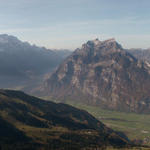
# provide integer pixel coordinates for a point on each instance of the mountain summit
(97, 44)
(102, 73)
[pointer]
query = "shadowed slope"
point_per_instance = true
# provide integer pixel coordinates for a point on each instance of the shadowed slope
(51, 124)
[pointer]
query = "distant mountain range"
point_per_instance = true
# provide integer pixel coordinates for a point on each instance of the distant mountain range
(23, 64)
(28, 122)
(104, 74)
(141, 54)
(100, 73)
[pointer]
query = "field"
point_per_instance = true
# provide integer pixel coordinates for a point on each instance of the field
(135, 126)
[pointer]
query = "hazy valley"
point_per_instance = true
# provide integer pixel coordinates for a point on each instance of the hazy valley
(74, 75)
(101, 78)
(24, 66)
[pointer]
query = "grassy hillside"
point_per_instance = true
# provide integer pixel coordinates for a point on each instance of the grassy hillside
(27, 122)
(135, 126)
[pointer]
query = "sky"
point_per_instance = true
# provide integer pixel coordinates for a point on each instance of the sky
(68, 24)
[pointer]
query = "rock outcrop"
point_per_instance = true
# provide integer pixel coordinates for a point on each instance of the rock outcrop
(102, 73)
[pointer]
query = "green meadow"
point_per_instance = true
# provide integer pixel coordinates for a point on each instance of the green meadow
(135, 126)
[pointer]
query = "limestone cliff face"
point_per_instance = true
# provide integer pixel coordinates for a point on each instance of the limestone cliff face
(102, 73)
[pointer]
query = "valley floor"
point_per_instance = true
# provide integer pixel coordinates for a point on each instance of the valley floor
(135, 126)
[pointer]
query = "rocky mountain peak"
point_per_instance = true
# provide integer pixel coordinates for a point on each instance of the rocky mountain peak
(107, 45)
(94, 42)
(111, 40)
(111, 43)
(103, 73)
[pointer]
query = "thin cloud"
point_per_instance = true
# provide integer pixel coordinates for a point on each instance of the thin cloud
(72, 34)
(80, 24)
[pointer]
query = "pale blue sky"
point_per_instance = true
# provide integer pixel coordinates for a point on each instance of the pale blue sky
(69, 23)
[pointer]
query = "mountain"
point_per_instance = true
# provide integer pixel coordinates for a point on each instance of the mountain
(22, 64)
(27, 122)
(141, 54)
(102, 73)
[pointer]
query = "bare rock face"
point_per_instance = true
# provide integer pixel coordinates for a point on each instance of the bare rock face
(102, 73)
